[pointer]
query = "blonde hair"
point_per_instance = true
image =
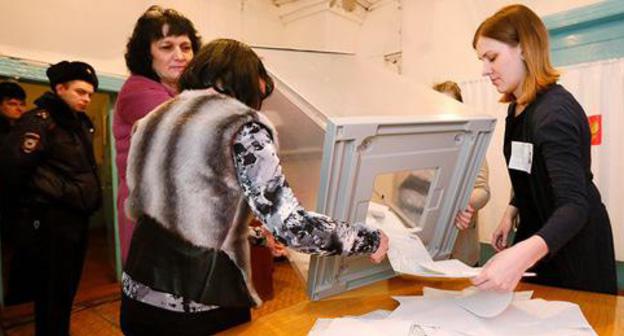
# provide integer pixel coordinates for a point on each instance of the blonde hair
(518, 25)
(449, 87)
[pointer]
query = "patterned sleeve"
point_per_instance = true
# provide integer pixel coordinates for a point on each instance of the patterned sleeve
(273, 202)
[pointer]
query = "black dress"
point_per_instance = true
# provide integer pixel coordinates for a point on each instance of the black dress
(558, 200)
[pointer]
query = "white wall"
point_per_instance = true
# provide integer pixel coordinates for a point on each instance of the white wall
(437, 35)
(97, 31)
(380, 33)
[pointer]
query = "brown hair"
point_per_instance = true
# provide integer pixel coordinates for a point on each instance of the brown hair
(230, 67)
(518, 25)
(449, 87)
(149, 28)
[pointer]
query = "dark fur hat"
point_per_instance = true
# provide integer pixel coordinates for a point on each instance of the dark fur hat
(9, 90)
(65, 71)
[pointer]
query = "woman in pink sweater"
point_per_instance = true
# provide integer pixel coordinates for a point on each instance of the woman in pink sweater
(162, 44)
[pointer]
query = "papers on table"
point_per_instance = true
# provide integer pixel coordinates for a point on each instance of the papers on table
(484, 303)
(445, 313)
(350, 326)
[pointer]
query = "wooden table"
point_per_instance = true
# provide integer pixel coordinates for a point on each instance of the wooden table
(604, 312)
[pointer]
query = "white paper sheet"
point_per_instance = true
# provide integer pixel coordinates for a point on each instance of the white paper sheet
(407, 253)
(451, 268)
(443, 293)
(522, 317)
(351, 326)
(486, 304)
(320, 326)
(437, 313)
(379, 314)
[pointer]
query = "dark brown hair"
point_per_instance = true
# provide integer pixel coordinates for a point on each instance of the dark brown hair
(230, 67)
(149, 28)
(11, 90)
(449, 87)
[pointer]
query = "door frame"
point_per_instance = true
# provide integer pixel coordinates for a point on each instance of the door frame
(587, 34)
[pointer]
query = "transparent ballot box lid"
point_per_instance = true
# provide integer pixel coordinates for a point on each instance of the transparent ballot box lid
(354, 136)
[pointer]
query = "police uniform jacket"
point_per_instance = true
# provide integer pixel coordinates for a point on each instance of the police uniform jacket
(47, 158)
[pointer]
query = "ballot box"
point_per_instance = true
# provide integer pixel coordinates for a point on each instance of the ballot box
(352, 133)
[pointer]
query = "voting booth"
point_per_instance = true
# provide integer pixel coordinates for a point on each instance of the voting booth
(357, 140)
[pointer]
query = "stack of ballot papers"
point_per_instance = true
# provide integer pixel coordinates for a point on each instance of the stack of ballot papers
(407, 253)
(461, 313)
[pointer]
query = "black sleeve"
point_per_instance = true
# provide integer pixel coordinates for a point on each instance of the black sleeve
(24, 147)
(559, 140)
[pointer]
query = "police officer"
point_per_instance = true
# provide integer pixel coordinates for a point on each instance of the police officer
(12, 104)
(47, 159)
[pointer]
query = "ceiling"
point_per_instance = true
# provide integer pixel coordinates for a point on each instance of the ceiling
(348, 5)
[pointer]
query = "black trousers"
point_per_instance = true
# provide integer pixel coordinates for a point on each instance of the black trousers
(140, 319)
(59, 253)
(18, 242)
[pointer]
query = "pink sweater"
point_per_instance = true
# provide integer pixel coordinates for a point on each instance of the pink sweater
(138, 96)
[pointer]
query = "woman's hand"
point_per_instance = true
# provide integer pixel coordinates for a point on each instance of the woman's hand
(501, 234)
(463, 218)
(380, 254)
(503, 272)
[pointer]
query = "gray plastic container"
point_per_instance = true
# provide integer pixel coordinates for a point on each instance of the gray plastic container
(352, 133)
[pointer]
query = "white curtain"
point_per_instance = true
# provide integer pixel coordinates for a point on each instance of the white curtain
(599, 87)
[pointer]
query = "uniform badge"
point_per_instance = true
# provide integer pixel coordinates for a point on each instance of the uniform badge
(31, 141)
(43, 114)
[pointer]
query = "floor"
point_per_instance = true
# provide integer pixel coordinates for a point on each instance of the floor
(96, 312)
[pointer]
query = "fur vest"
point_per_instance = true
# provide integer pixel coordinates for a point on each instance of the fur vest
(191, 237)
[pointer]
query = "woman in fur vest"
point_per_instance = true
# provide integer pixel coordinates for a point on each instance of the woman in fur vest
(197, 167)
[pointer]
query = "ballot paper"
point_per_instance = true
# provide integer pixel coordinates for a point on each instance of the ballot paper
(348, 325)
(442, 309)
(440, 313)
(436, 293)
(452, 268)
(326, 326)
(407, 253)
(485, 304)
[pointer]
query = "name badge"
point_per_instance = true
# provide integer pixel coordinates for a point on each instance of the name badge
(521, 156)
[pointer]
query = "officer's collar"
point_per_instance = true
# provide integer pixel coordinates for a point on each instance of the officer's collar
(55, 105)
